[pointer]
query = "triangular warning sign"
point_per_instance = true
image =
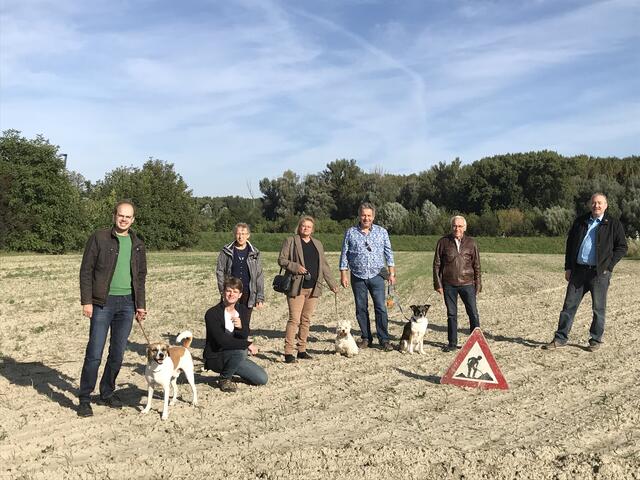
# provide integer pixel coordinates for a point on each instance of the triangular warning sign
(474, 366)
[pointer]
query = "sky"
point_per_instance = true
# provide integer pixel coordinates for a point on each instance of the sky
(233, 91)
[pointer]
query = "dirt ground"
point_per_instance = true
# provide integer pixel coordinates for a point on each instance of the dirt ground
(568, 414)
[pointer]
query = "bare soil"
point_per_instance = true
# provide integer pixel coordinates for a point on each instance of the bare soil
(567, 414)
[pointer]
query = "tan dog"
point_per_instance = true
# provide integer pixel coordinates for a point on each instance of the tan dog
(163, 368)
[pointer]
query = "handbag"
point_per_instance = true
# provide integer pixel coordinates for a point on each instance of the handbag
(282, 283)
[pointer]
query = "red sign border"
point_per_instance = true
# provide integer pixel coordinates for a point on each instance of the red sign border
(475, 337)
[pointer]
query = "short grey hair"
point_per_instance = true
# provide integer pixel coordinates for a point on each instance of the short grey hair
(458, 217)
(366, 206)
(241, 225)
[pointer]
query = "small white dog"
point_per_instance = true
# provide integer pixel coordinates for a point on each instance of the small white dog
(345, 344)
(163, 368)
(414, 330)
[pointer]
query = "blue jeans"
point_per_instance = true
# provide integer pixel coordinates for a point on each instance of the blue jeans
(236, 362)
(468, 295)
(374, 286)
(583, 280)
(117, 315)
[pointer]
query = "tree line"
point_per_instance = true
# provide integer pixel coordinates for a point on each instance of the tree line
(46, 208)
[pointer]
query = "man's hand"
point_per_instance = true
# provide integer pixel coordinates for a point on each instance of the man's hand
(87, 310)
(237, 323)
(344, 278)
(567, 275)
(259, 305)
(141, 314)
(392, 279)
(252, 349)
(440, 290)
(334, 290)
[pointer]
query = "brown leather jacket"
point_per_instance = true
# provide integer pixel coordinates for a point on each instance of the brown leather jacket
(451, 267)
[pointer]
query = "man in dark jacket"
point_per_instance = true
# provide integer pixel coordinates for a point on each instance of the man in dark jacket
(456, 271)
(596, 242)
(112, 291)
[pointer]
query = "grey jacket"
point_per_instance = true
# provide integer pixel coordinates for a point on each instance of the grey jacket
(256, 277)
(291, 259)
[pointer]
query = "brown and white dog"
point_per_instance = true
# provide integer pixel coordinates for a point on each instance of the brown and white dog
(345, 344)
(163, 368)
(414, 330)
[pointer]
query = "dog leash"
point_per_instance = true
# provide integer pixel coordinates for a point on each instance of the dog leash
(394, 299)
(143, 332)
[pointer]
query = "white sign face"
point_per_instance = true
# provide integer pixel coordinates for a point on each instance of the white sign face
(475, 367)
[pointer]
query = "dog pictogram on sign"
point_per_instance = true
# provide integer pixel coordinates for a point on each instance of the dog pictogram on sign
(474, 366)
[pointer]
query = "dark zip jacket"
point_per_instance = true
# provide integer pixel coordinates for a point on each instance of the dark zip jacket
(99, 263)
(611, 243)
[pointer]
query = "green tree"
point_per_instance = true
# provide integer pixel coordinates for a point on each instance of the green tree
(558, 219)
(166, 212)
(345, 180)
(40, 210)
(392, 216)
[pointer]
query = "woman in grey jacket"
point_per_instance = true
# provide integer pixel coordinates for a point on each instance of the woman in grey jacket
(240, 259)
(304, 257)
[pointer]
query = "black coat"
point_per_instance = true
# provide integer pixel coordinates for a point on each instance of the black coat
(611, 243)
(218, 339)
(99, 263)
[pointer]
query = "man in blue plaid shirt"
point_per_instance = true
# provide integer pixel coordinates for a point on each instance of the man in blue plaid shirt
(366, 250)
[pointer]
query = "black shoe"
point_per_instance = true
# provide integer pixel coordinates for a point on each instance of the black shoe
(226, 385)
(111, 402)
(289, 359)
(552, 345)
(85, 410)
(304, 356)
(450, 348)
(386, 346)
(363, 343)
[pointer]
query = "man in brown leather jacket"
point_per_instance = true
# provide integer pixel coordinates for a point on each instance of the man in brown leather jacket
(456, 271)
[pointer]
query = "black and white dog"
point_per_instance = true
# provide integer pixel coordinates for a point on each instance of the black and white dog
(414, 330)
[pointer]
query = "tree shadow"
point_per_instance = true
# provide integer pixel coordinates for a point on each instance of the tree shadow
(427, 378)
(43, 379)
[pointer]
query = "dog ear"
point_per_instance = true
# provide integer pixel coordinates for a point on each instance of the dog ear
(428, 305)
(412, 306)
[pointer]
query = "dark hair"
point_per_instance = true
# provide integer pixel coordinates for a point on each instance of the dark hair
(124, 202)
(232, 282)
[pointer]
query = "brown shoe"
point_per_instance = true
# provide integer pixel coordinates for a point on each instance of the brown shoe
(289, 359)
(386, 346)
(593, 346)
(553, 345)
(226, 385)
(363, 343)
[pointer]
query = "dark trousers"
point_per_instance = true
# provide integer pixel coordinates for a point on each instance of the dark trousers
(583, 280)
(116, 315)
(244, 300)
(468, 295)
(361, 289)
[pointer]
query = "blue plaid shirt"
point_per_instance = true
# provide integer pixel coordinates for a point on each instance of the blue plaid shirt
(365, 254)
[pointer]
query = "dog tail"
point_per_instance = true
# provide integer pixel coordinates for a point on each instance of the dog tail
(185, 338)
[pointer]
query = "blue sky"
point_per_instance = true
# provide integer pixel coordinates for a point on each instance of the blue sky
(235, 91)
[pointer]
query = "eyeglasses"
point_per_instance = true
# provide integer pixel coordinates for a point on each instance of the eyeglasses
(366, 244)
